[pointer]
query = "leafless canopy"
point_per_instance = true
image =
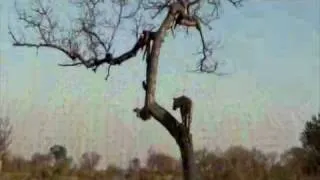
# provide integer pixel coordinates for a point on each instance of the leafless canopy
(89, 160)
(87, 33)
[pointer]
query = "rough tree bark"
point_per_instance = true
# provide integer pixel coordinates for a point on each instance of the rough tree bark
(151, 107)
(178, 14)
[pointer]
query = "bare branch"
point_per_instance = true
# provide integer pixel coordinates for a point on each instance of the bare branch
(88, 44)
(12, 35)
(85, 29)
(116, 26)
(144, 39)
(159, 6)
(236, 3)
(69, 54)
(108, 72)
(83, 44)
(135, 11)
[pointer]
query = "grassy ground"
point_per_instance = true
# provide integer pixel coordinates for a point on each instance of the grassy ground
(28, 176)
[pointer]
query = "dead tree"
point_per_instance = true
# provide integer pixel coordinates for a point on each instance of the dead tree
(89, 41)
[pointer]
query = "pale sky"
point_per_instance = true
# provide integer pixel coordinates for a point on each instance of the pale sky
(272, 47)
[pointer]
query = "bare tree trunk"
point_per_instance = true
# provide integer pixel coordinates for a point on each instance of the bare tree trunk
(177, 130)
(183, 139)
(187, 156)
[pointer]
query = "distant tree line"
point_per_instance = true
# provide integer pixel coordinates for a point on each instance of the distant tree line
(235, 163)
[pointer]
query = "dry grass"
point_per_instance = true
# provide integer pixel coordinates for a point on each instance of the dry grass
(236, 163)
